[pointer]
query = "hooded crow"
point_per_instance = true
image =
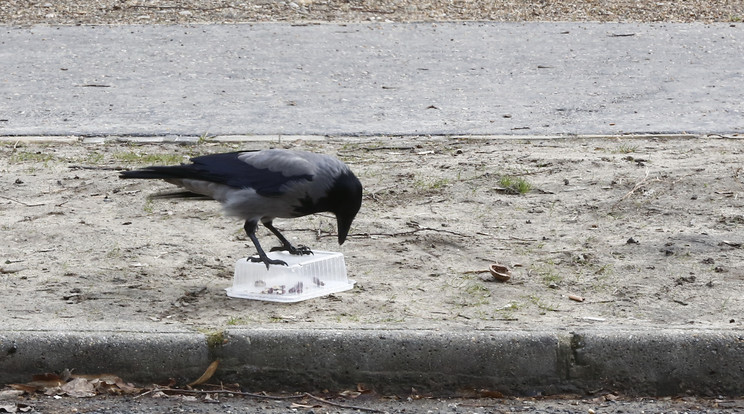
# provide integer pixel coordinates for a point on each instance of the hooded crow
(263, 185)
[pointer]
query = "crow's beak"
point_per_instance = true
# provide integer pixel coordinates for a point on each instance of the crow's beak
(344, 224)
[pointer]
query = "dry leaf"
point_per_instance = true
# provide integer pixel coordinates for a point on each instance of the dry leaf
(296, 405)
(30, 389)
(207, 374)
(53, 391)
(79, 388)
(171, 382)
(126, 387)
(109, 383)
(350, 394)
(484, 393)
(110, 378)
(46, 381)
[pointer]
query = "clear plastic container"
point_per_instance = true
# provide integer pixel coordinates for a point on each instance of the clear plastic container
(304, 277)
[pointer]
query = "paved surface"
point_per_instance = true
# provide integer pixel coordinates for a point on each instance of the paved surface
(274, 79)
(443, 78)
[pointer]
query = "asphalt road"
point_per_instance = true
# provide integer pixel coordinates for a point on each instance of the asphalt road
(604, 403)
(351, 79)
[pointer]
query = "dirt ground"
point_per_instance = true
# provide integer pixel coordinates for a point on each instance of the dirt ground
(647, 230)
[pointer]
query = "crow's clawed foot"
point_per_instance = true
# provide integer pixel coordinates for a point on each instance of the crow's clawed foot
(267, 261)
(301, 251)
(297, 251)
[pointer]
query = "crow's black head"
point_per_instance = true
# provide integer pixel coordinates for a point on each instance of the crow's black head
(344, 200)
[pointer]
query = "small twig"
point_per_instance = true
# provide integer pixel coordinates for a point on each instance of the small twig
(319, 234)
(736, 174)
(512, 238)
(388, 148)
(375, 11)
(474, 272)
(96, 167)
(407, 233)
(21, 202)
(145, 6)
(349, 407)
(638, 186)
(143, 394)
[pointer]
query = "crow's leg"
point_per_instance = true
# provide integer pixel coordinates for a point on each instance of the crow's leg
(286, 245)
(250, 229)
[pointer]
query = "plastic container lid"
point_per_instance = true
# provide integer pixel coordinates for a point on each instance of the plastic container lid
(304, 277)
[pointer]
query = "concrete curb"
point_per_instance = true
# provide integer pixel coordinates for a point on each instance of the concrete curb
(663, 362)
(279, 139)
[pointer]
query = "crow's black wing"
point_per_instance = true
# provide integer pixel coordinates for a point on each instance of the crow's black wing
(266, 171)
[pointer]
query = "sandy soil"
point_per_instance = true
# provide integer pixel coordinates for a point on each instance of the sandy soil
(646, 230)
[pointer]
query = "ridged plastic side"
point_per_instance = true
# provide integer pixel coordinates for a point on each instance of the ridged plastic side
(304, 277)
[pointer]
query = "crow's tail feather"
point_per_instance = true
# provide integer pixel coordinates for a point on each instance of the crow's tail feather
(179, 194)
(161, 172)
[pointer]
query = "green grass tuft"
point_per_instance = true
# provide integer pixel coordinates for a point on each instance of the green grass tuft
(515, 185)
